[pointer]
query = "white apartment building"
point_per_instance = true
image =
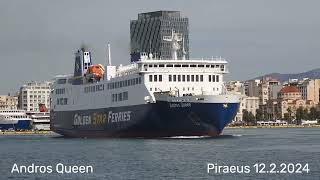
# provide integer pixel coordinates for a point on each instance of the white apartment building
(251, 104)
(31, 94)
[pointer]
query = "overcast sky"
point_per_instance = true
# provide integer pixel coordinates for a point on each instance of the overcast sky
(38, 38)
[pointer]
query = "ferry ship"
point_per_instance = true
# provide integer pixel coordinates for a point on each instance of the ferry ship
(151, 97)
(41, 119)
(14, 120)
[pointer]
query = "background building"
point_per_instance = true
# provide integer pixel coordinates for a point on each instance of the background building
(31, 94)
(288, 101)
(8, 102)
(147, 32)
(310, 90)
(251, 104)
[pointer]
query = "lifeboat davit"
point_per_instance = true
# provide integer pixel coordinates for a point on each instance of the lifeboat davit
(95, 72)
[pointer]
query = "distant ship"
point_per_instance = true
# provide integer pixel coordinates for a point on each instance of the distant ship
(14, 120)
(151, 97)
(41, 119)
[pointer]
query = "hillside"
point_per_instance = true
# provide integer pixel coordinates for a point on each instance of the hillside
(313, 74)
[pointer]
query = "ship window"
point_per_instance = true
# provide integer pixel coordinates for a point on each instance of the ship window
(150, 65)
(177, 65)
(185, 65)
(212, 66)
(192, 78)
(213, 78)
(120, 97)
(156, 65)
(139, 80)
(150, 78)
(161, 65)
(209, 78)
(174, 78)
(217, 66)
(207, 66)
(197, 78)
(150, 89)
(160, 78)
(201, 78)
(133, 82)
(201, 65)
(217, 78)
(155, 78)
(125, 95)
(179, 78)
(121, 83)
(169, 65)
(170, 78)
(62, 81)
(193, 65)
(188, 78)
(183, 78)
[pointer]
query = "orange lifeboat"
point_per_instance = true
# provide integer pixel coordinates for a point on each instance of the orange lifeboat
(95, 71)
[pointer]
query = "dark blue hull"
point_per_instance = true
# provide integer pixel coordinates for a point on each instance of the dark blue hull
(21, 125)
(161, 119)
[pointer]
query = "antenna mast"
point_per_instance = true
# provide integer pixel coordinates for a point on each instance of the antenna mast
(109, 54)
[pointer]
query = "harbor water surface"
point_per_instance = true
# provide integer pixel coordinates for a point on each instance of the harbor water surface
(167, 158)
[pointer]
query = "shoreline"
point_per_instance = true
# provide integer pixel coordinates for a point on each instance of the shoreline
(26, 133)
(283, 126)
(14, 133)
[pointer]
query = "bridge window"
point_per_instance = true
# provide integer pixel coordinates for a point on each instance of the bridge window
(62, 81)
(192, 78)
(217, 78)
(177, 65)
(179, 78)
(170, 78)
(193, 65)
(185, 65)
(160, 78)
(169, 65)
(200, 65)
(150, 78)
(197, 78)
(207, 66)
(155, 78)
(174, 78)
(209, 78)
(213, 78)
(201, 78)
(125, 95)
(161, 65)
(188, 78)
(183, 78)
